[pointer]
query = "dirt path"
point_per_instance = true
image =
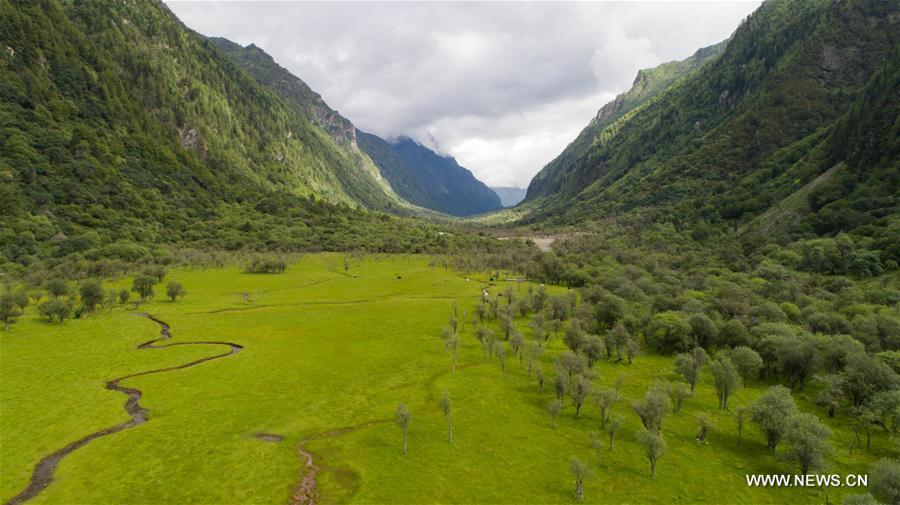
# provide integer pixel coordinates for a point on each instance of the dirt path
(43, 471)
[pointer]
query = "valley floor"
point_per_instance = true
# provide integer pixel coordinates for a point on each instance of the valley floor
(328, 353)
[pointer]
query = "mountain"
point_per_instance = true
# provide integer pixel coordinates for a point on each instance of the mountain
(118, 125)
(509, 195)
(413, 171)
(428, 179)
(648, 84)
(801, 87)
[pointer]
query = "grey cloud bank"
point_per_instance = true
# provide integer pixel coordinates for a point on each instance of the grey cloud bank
(502, 87)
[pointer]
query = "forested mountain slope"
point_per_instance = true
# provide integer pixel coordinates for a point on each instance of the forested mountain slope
(117, 123)
(414, 172)
(428, 179)
(648, 84)
(801, 87)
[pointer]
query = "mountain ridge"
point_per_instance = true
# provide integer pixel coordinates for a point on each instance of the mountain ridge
(425, 179)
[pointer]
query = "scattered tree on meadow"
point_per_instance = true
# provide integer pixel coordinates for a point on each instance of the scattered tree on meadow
(158, 272)
(446, 405)
(143, 286)
(174, 290)
(554, 408)
(652, 409)
(678, 392)
(688, 365)
(560, 386)
(92, 295)
(581, 389)
(771, 412)
(452, 346)
(533, 352)
(506, 322)
(517, 342)
(726, 378)
(500, 351)
(571, 364)
(739, 416)
(538, 330)
(704, 424)
(612, 428)
(580, 470)
(56, 309)
(9, 310)
(124, 295)
(539, 374)
(402, 418)
(605, 399)
(654, 447)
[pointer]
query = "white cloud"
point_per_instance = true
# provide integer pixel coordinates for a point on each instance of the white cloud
(503, 87)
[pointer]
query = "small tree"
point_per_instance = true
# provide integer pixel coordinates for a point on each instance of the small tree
(704, 423)
(453, 349)
(500, 351)
(580, 470)
(9, 310)
(885, 481)
(581, 389)
(605, 399)
(559, 384)
(771, 412)
(447, 408)
(124, 295)
(56, 309)
(739, 416)
(91, 292)
(402, 418)
(747, 361)
(726, 378)
(143, 286)
(554, 408)
(654, 447)
(174, 290)
(612, 428)
(539, 374)
(517, 343)
(677, 394)
(57, 287)
(652, 409)
(806, 439)
(689, 365)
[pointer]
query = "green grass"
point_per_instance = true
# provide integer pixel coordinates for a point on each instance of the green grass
(327, 358)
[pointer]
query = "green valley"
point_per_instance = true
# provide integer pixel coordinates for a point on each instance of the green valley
(216, 288)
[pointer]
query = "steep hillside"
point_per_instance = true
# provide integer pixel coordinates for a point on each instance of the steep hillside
(779, 107)
(648, 84)
(509, 195)
(413, 171)
(118, 124)
(428, 179)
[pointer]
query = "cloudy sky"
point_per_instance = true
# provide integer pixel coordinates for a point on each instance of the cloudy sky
(502, 87)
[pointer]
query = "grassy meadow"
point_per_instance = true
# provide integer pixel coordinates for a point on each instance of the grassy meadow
(328, 354)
